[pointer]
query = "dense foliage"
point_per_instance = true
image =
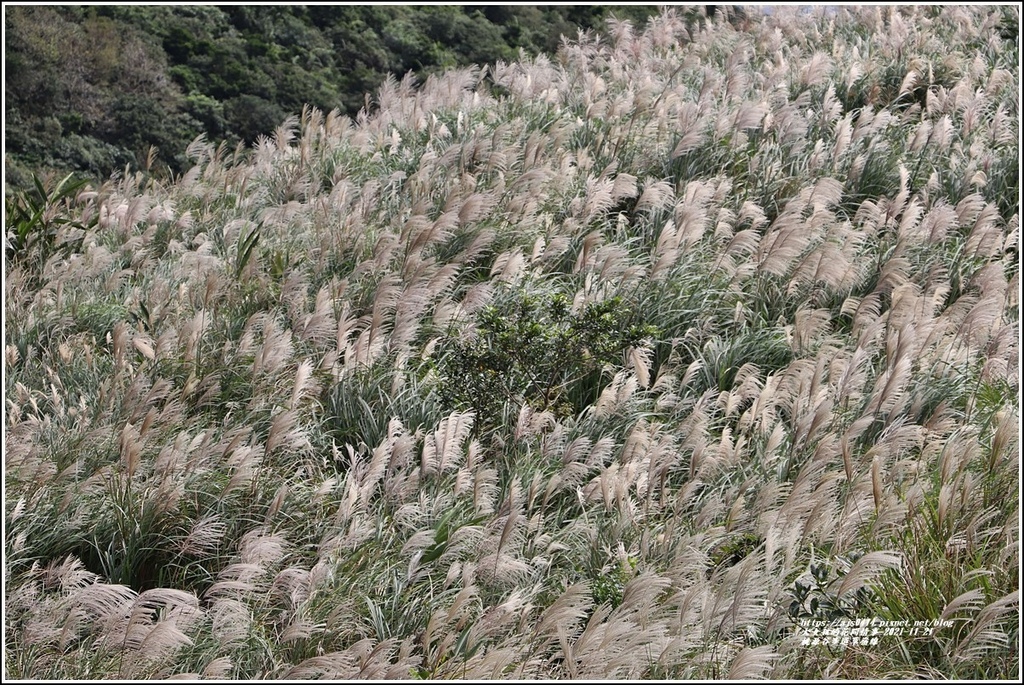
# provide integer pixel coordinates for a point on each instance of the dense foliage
(630, 362)
(536, 349)
(92, 88)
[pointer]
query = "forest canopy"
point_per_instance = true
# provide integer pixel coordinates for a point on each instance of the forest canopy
(92, 88)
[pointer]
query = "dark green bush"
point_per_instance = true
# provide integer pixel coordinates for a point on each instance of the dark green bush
(536, 348)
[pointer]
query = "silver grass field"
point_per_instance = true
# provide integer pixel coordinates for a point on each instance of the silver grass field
(241, 442)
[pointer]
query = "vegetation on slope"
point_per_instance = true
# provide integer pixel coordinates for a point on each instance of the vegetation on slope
(91, 88)
(751, 296)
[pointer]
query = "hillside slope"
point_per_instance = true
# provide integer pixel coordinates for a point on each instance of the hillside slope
(629, 363)
(92, 88)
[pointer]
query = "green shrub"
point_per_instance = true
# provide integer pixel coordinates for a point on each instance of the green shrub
(33, 222)
(538, 349)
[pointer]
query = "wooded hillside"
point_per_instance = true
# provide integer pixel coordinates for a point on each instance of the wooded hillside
(91, 88)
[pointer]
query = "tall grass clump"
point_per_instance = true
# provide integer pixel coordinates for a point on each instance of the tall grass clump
(628, 362)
